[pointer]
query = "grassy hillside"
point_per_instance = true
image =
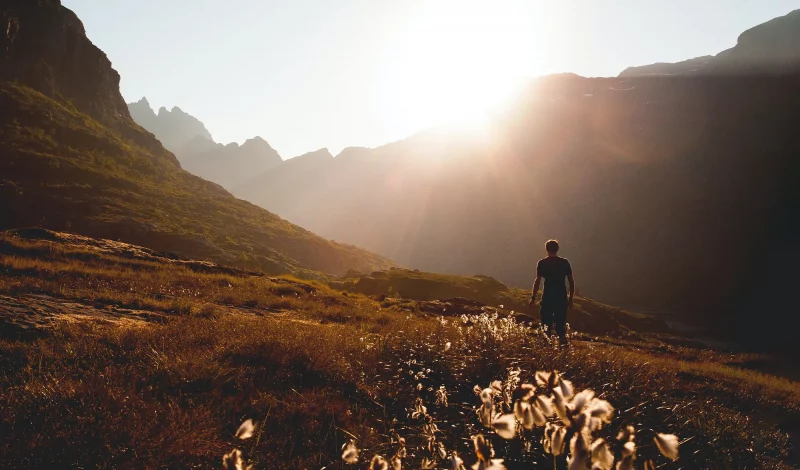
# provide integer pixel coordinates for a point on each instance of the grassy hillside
(63, 169)
(401, 285)
(71, 158)
(127, 358)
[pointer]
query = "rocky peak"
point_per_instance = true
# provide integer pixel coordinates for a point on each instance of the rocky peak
(45, 48)
(143, 114)
(176, 129)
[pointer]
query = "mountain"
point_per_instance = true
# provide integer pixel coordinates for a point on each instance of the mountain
(72, 158)
(184, 135)
(674, 193)
(175, 129)
(230, 165)
(771, 47)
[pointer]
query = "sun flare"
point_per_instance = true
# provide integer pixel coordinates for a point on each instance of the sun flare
(453, 62)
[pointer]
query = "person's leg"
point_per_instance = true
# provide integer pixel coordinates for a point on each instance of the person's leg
(546, 312)
(560, 319)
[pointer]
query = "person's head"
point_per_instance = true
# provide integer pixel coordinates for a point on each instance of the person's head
(551, 246)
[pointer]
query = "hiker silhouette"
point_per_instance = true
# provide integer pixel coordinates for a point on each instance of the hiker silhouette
(554, 303)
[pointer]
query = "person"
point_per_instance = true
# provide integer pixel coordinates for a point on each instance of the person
(554, 304)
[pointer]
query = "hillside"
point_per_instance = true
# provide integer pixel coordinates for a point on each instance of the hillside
(769, 48)
(104, 367)
(450, 295)
(665, 192)
(72, 158)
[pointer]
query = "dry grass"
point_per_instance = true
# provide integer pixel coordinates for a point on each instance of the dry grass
(315, 367)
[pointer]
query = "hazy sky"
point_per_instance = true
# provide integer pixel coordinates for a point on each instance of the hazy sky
(306, 74)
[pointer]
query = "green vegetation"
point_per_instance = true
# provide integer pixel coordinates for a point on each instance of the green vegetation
(64, 170)
(315, 368)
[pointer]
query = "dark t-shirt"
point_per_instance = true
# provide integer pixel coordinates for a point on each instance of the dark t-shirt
(554, 270)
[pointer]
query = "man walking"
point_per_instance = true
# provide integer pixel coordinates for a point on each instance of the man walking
(554, 269)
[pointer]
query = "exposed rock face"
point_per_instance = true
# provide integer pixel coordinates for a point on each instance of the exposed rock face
(44, 46)
(769, 48)
(175, 129)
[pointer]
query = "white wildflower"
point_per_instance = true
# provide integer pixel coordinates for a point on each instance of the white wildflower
(456, 462)
(579, 451)
(602, 458)
(396, 463)
(559, 436)
(629, 449)
(485, 415)
(546, 405)
(234, 461)
(668, 445)
(245, 431)
(601, 409)
(350, 453)
(505, 426)
(580, 400)
(560, 406)
(566, 387)
(627, 433)
(378, 463)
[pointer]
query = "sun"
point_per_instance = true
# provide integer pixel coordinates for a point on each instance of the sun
(453, 62)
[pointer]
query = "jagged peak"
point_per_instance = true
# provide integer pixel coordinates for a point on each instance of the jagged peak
(323, 153)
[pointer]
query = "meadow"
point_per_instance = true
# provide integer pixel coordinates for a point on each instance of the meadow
(180, 353)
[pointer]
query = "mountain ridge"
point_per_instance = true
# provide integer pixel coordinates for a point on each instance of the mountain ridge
(72, 158)
(768, 48)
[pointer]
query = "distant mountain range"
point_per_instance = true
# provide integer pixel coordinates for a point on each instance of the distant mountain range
(71, 158)
(187, 137)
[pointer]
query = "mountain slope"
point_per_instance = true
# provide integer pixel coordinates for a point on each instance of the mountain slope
(230, 165)
(71, 157)
(769, 48)
(668, 192)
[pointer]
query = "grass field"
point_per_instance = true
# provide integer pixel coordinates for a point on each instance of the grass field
(316, 368)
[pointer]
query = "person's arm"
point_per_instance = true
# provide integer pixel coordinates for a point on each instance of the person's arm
(571, 288)
(535, 290)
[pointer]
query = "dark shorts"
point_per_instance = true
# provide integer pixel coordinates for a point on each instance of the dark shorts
(554, 312)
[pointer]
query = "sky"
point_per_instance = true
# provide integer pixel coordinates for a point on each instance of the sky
(308, 74)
